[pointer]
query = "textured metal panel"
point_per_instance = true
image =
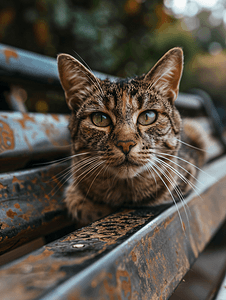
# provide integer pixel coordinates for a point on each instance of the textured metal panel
(21, 64)
(31, 204)
(132, 254)
(26, 138)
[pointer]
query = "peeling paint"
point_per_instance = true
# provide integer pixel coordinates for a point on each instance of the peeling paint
(11, 214)
(6, 137)
(9, 53)
(3, 186)
(37, 135)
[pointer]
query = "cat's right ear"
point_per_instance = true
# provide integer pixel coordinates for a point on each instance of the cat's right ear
(166, 74)
(76, 80)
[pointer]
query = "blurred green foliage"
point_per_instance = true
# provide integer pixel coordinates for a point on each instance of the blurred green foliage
(118, 37)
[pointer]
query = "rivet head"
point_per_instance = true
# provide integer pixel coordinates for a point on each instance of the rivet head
(78, 246)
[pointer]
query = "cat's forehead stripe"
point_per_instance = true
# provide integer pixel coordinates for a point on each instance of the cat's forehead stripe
(125, 99)
(109, 102)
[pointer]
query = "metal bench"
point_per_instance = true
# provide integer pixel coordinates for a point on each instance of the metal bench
(132, 254)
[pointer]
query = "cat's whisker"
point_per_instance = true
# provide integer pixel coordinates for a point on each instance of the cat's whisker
(156, 166)
(166, 166)
(182, 177)
(63, 176)
(196, 148)
(184, 160)
(62, 160)
(201, 183)
(81, 164)
(95, 177)
(178, 192)
(69, 168)
(84, 165)
(77, 166)
(87, 172)
(58, 178)
(181, 198)
(55, 188)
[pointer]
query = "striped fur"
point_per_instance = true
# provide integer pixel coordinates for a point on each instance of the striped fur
(104, 176)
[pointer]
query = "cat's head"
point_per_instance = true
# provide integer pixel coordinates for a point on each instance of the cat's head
(124, 123)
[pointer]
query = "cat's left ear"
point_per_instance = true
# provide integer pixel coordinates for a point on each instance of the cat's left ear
(166, 74)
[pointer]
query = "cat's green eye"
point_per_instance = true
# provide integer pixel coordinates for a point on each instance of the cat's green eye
(100, 119)
(147, 117)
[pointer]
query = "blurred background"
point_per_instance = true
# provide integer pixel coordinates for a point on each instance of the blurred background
(123, 37)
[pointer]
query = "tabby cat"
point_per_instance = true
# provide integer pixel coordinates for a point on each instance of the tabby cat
(128, 143)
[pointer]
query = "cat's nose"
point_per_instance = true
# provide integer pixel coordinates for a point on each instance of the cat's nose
(125, 146)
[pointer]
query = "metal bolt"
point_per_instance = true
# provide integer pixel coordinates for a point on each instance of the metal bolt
(78, 245)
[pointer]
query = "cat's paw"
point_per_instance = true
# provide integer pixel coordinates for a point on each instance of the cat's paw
(83, 210)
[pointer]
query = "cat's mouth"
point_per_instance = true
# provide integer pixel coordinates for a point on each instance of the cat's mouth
(128, 163)
(127, 169)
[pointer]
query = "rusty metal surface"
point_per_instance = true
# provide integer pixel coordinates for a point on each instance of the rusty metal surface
(31, 137)
(31, 204)
(132, 254)
(20, 64)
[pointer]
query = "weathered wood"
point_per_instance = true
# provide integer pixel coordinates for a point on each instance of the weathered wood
(132, 254)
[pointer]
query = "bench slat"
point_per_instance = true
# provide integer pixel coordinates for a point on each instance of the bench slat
(31, 137)
(17, 64)
(31, 205)
(134, 253)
